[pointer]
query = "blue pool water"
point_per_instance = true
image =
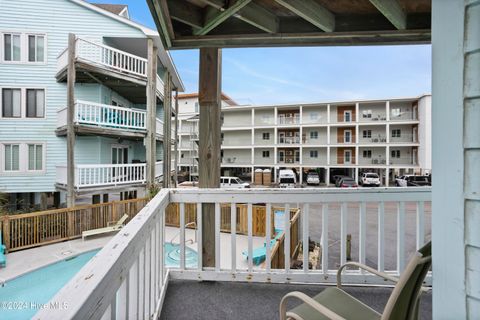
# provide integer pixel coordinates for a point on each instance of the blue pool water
(172, 256)
(21, 297)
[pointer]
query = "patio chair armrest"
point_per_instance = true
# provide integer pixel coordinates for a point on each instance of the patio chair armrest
(366, 268)
(309, 301)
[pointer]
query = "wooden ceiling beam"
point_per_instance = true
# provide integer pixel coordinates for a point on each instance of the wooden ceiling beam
(259, 17)
(392, 10)
(185, 12)
(311, 11)
(252, 14)
(215, 20)
(163, 23)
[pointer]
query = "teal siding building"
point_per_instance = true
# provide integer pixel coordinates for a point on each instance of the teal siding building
(110, 96)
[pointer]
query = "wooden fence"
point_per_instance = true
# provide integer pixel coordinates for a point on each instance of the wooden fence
(28, 230)
(172, 218)
(278, 251)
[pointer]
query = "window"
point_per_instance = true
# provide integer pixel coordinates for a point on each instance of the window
(367, 153)
(367, 114)
(313, 134)
(11, 103)
(395, 154)
(313, 153)
(396, 133)
(36, 48)
(367, 133)
(35, 157)
(266, 154)
(12, 47)
(266, 136)
(35, 103)
(12, 157)
(313, 116)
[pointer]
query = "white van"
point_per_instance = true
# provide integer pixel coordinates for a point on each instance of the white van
(233, 183)
(287, 178)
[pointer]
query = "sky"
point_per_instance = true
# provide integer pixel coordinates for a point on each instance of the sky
(309, 74)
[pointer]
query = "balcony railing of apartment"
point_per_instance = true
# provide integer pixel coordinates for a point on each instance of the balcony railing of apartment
(404, 138)
(99, 175)
(374, 160)
(282, 120)
(374, 117)
(107, 116)
(128, 277)
(373, 139)
(342, 160)
(235, 160)
(403, 161)
(405, 116)
(108, 57)
(288, 140)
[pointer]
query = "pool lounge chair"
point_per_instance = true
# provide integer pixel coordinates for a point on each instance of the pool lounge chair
(111, 228)
(3, 258)
(334, 303)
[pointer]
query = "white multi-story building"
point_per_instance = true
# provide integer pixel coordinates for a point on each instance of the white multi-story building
(390, 137)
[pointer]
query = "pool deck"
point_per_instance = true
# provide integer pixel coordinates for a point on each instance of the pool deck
(24, 261)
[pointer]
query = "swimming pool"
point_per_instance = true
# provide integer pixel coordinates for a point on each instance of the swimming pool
(22, 297)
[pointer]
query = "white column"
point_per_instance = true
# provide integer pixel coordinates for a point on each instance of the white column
(387, 175)
(328, 113)
(328, 155)
(455, 86)
(327, 176)
(275, 115)
(387, 110)
(300, 175)
(253, 117)
(357, 111)
(387, 129)
(356, 175)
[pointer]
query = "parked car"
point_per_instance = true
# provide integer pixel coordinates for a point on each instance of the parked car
(313, 178)
(337, 179)
(370, 179)
(233, 183)
(401, 181)
(418, 181)
(413, 181)
(347, 183)
(287, 178)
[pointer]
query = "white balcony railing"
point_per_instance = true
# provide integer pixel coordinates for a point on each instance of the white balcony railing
(289, 120)
(96, 175)
(100, 175)
(288, 140)
(109, 57)
(128, 277)
(107, 116)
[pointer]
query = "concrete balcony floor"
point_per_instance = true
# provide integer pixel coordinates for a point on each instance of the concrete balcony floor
(234, 300)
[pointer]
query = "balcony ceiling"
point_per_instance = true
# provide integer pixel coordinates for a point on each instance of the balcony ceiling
(186, 24)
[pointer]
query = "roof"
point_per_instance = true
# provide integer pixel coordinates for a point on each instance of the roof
(186, 24)
(192, 95)
(113, 8)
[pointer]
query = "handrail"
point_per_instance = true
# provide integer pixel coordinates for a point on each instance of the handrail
(112, 49)
(93, 292)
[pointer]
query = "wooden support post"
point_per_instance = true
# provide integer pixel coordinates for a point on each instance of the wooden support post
(175, 182)
(167, 130)
(70, 120)
(6, 232)
(209, 142)
(151, 143)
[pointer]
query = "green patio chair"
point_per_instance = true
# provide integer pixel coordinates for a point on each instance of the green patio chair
(334, 303)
